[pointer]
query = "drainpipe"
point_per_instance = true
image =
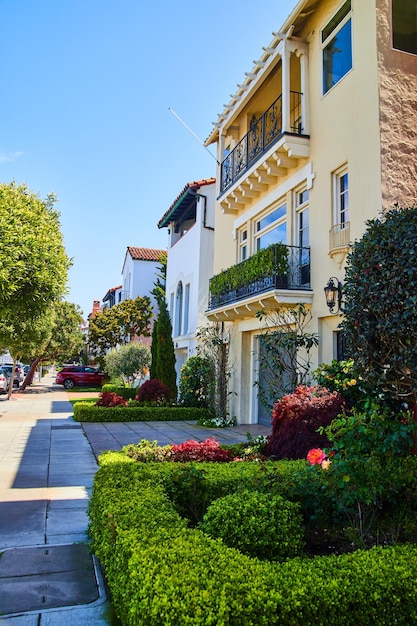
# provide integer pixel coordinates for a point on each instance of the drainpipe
(198, 196)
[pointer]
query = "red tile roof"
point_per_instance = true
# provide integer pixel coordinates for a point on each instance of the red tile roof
(189, 186)
(145, 254)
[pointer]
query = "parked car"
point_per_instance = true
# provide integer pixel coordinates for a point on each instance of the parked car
(4, 380)
(17, 373)
(80, 375)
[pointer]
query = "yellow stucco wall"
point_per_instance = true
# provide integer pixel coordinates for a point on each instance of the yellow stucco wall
(352, 124)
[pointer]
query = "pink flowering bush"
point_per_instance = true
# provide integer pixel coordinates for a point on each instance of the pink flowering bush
(296, 419)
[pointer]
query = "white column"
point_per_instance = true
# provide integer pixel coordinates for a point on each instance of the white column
(305, 88)
(285, 64)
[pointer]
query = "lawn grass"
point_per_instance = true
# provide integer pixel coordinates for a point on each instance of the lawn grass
(74, 400)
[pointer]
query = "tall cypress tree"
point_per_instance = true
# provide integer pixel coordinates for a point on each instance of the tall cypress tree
(162, 347)
(154, 347)
(165, 353)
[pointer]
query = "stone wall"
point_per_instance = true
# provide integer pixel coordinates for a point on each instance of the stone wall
(398, 115)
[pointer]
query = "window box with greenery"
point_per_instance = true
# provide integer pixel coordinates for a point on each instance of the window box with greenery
(250, 275)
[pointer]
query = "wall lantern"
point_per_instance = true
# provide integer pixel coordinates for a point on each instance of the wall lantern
(333, 293)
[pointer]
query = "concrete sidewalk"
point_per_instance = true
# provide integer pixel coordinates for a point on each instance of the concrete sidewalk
(47, 467)
(47, 576)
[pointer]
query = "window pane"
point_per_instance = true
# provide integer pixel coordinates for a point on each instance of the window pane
(404, 25)
(333, 24)
(303, 196)
(337, 57)
(344, 198)
(271, 217)
(303, 229)
(278, 234)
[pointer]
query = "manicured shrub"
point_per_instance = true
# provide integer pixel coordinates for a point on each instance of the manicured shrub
(161, 572)
(147, 451)
(85, 412)
(153, 390)
(109, 398)
(128, 393)
(256, 524)
(296, 419)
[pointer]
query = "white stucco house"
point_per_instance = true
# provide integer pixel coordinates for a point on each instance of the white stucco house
(139, 273)
(190, 223)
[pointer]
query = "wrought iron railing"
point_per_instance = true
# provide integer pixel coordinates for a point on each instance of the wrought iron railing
(262, 134)
(297, 276)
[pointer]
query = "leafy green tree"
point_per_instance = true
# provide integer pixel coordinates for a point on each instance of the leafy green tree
(33, 262)
(129, 362)
(165, 353)
(56, 335)
(119, 324)
(380, 305)
(33, 266)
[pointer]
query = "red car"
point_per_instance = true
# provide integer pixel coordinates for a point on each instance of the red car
(80, 375)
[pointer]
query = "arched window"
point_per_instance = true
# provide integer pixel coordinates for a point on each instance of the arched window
(178, 310)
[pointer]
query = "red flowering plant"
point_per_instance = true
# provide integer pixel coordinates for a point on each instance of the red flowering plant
(191, 450)
(109, 398)
(297, 418)
(154, 391)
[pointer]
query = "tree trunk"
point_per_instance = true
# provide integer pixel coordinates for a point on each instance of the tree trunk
(29, 376)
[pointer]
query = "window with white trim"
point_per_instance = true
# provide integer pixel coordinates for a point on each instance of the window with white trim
(341, 198)
(336, 43)
(303, 219)
(271, 228)
(243, 245)
(404, 25)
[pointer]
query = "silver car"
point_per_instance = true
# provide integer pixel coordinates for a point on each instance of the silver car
(4, 380)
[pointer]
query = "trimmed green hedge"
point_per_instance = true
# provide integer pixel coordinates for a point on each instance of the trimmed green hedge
(162, 573)
(84, 412)
(128, 393)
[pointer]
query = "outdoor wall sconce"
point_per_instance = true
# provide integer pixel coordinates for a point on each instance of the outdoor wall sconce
(333, 293)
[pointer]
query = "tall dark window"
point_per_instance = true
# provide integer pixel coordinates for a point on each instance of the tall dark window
(340, 346)
(336, 39)
(404, 25)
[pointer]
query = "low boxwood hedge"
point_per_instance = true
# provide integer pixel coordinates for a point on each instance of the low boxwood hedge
(85, 412)
(161, 572)
(128, 393)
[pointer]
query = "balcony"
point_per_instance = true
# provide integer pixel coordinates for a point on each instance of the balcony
(279, 273)
(339, 241)
(266, 153)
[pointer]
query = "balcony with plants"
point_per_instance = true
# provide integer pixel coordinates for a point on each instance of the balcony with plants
(277, 271)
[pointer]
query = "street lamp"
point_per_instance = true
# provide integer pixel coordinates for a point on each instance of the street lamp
(333, 293)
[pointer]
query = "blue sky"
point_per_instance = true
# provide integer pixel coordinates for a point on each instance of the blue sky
(87, 87)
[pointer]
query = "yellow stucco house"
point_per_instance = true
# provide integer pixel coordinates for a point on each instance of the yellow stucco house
(320, 136)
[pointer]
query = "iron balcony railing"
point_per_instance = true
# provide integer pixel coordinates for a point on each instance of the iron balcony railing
(297, 276)
(263, 133)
